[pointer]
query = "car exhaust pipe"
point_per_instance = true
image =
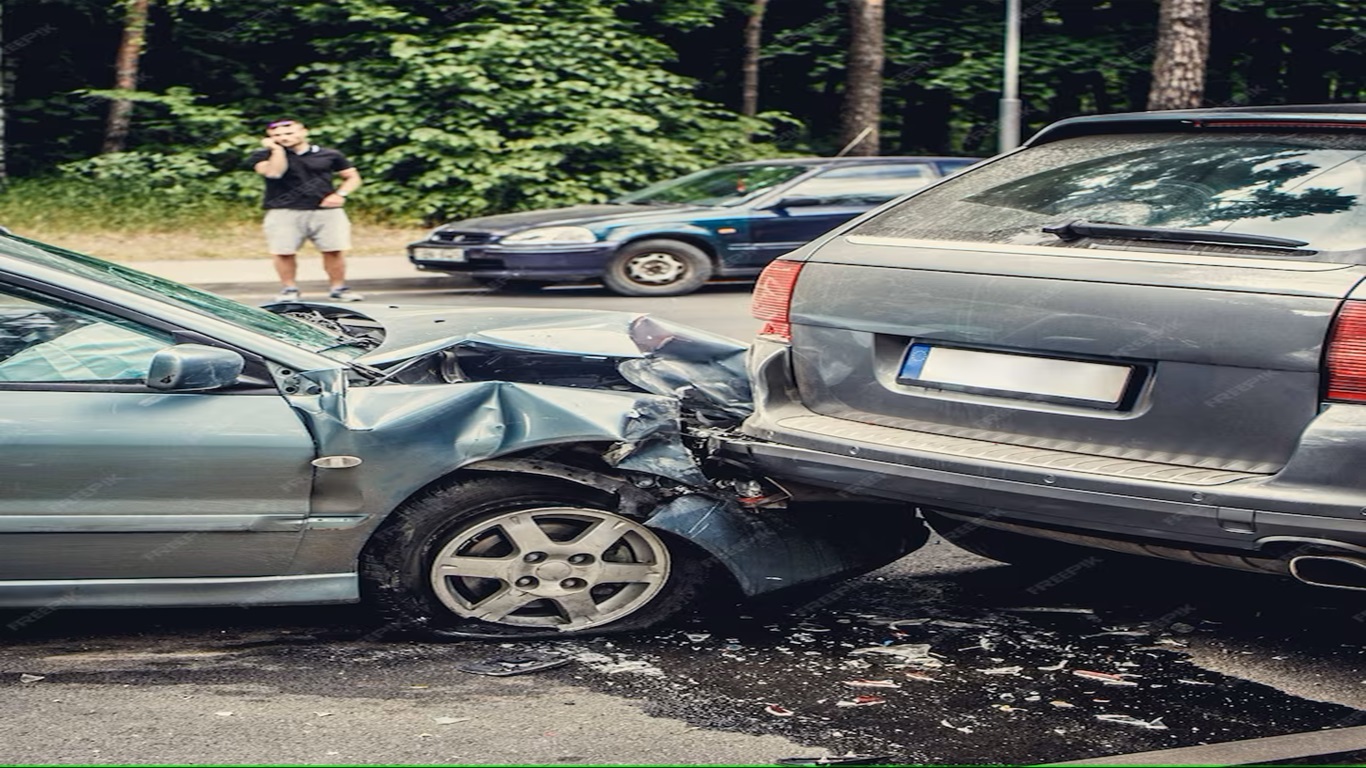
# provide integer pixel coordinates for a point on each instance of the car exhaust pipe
(1334, 571)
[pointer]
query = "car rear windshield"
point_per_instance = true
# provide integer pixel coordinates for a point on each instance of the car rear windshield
(1307, 187)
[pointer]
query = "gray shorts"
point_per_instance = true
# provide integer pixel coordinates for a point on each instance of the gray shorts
(287, 229)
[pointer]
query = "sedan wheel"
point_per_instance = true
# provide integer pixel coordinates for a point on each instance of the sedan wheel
(548, 567)
(500, 556)
(658, 268)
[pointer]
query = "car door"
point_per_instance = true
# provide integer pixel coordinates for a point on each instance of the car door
(104, 478)
(814, 206)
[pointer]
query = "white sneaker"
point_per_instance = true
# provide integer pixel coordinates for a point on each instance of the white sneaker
(344, 294)
(289, 294)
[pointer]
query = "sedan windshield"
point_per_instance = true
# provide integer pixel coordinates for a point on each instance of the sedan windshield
(285, 329)
(730, 185)
(1260, 189)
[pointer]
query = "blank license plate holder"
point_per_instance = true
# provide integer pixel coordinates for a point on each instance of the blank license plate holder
(1019, 376)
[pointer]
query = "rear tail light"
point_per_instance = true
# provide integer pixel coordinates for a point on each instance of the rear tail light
(773, 298)
(1346, 357)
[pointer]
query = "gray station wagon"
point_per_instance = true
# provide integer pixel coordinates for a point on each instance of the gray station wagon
(1143, 333)
(470, 472)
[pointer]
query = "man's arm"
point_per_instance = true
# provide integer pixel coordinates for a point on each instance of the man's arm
(273, 167)
(350, 183)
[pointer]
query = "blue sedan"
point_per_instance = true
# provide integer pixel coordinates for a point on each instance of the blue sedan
(670, 238)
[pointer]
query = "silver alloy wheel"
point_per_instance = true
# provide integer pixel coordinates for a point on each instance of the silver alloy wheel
(655, 268)
(562, 568)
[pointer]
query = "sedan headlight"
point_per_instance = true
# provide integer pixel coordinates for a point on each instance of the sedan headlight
(553, 235)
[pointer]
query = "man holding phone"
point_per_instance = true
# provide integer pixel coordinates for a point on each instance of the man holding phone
(302, 204)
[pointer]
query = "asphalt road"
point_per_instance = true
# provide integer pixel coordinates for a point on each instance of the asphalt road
(1193, 656)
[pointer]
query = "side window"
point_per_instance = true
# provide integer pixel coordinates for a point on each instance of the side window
(864, 184)
(44, 341)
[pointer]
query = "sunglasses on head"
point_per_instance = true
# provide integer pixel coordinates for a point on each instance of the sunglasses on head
(281, 123)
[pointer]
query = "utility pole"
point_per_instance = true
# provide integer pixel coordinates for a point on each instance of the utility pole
(1010, 87)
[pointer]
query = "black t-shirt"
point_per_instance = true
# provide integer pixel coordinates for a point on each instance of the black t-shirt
(307, 180)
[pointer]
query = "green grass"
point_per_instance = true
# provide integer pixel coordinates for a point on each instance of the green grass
(42, 204)
(113, 221)
(79, 205)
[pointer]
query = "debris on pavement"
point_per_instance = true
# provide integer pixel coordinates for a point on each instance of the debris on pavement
(861, 701)
(1002, 671)
(1059, 703)
(872, 683)
(507, 666)
(1152, 725)
(451, 720)
(959, 728)
(922, 677)
(1103, 677)
(777, 710)
(27, 678)
(849, 759)
(600, 662)
(917, 654)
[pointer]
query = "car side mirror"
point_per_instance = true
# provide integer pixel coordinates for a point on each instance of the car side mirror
(194, 368)
(796, 202)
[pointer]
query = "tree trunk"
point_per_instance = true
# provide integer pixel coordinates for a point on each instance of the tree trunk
(4, 98)
(126, 74)
(754, 29)
(1182, 52)
(863, 89)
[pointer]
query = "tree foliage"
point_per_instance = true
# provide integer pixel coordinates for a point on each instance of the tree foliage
(469, 106)
(522, 105)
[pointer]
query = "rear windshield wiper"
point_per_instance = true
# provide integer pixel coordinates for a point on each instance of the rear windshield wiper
(1075, 230)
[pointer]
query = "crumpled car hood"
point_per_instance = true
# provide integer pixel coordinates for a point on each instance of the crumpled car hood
(704, 371)
(413, 331)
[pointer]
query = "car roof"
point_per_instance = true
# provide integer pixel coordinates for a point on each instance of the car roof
(1271, 117)
(815, 162)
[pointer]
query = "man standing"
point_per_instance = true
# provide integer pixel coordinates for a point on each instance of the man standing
(303, 205)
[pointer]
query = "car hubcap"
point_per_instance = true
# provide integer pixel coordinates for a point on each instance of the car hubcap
(655, 268)
(566, 568)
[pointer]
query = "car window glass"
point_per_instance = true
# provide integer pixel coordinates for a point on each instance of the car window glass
(863, 185)
(49, 342)
(1300, 186)
(286, 329)
(728, 185)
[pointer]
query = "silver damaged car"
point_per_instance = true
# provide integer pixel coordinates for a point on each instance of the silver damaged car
(1140, 333)
(469, 472)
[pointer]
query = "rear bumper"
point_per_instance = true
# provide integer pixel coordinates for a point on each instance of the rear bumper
(1320, 494)
(568, 262)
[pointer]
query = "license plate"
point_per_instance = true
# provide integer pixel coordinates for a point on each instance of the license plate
(439, 254)
(1015, 375)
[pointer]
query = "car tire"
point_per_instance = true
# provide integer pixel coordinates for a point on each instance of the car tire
(559, 562)
(504, 285)
(1007, 546)
(657, 268)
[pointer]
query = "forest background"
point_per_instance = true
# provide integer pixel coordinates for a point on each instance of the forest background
(455, 109)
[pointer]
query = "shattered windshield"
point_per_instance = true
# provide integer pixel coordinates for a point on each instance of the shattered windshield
(1297, 186)
(731, 185)
(288, 330)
